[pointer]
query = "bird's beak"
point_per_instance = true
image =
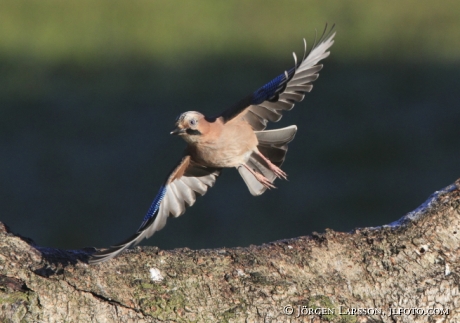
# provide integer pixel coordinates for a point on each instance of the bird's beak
(177, 131)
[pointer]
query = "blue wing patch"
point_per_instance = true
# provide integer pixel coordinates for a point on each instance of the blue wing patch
(271, 90)
(153, 210)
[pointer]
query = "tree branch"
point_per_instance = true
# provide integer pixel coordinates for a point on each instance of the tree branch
(392, 273)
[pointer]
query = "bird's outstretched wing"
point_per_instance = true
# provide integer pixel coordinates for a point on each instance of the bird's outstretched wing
(187, 180)
(281, 93)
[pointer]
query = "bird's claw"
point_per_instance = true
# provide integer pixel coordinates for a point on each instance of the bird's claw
(275, 169)
(278, 172)
(264, 181)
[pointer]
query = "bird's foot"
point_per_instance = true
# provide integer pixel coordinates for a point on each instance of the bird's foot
(275, 169)
(278, 172)
(264, 181)
(261, 178)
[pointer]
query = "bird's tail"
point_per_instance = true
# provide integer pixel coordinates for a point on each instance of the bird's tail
(273, 145)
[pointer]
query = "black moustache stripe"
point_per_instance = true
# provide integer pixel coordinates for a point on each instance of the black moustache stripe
(192, 132)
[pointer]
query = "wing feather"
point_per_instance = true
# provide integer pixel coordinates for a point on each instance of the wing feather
(176, 206)
(195, 184)
(186, 193)
(291, 96)
(255, 121)
(266, 113)
(179, 191)
(306, 71)
(285, 90)
(280, 105)
(302, 88)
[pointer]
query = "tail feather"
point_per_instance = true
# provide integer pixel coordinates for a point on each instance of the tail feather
(254, 186)
(276, 137)
(273, 145)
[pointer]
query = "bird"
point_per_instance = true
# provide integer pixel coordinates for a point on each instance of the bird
(236, 138)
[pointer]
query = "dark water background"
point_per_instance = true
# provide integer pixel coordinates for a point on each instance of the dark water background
(85, 144)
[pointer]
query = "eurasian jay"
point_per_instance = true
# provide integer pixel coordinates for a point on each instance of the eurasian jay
(234, 138)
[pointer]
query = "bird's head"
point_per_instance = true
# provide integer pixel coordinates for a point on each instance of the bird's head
(189, 125)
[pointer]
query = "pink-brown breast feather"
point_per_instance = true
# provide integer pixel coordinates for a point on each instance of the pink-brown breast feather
(225, 145)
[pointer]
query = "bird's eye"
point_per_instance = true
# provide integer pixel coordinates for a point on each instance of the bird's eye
(193, 122)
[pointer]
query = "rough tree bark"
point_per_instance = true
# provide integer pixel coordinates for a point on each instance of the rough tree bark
(393, 273)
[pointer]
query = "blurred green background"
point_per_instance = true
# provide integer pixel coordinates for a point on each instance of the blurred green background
(89, 91)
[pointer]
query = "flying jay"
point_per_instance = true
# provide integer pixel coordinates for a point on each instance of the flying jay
(234, 138)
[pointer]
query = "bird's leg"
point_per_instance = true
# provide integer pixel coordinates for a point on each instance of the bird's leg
(275, 169)
(261, 178)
